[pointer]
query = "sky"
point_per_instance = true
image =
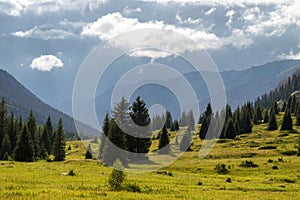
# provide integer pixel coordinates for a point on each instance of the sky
(43, 43)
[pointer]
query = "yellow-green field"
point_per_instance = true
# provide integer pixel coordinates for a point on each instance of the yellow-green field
(45, 180)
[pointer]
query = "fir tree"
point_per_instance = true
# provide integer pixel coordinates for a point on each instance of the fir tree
(89, 152)
(3, 119)
(140, 116)
(258, 112)
(191, 121)
(32, 128)
(287, 123)
(237, 128)
(163, 145)
(204, 128)
(272, 122)
(275, 108)
(59, 145)
(50, 132)
(5, 148)
(176, 125)
(114, 145)
(230, 132)
(169, 120)
(186, 141)
(255, 120)
(298, 115)
(45, 142)
(293, 104)
(12, 130)
(105, 131)
(183, 119)
(24, 151)
(266, 117)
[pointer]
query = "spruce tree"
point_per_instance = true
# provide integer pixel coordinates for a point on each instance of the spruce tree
(272, 122)
(266, 117)
(255, 119)
(12, 130)
(293, 104)
(237, 128)
(298, 115)
(3, 119)
(89, 152)
(114, 145)
(230, 132)
(163, 145)
(275, 108)
(186, 141)
(59, 145)
(5, 148)
(32, 128)
(287, 123)
(258, 112)
(104, 134)
(45, 141)
(176, 125)
(140, 116)
(191, 121)
(204, 128)
(169, 120)
(183, 119)
(24, 151)
(50, 131)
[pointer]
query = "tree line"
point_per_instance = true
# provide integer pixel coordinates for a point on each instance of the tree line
(27, 141)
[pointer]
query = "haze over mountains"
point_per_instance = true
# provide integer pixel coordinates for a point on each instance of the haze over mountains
(21, 101)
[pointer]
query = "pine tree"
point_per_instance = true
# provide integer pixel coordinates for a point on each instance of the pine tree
(230, 132)
(5, 148)
(89, 152)
(272, 122)
(237, 128)
(287, 123)
(255, 120)
(176, 125)
(59, 146)
(140, 116)
(298, 116)
(204, 128)
(258, 112)
(169, 120)
(50, 132)
(164, 142)
(12, 130)
(32, 128)
(293, 104)
(24, 151)
(105, 131)
(246, 126)
(266, 117)
(191, 121)
(186, 142)
(275, 108)
(45, 142)
(3, 119)
(183, 119)
(114, 145)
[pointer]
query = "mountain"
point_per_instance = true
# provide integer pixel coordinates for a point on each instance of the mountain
(241, 86)
(21, 101)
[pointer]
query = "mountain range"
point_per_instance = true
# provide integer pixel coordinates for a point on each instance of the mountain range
(21, 101)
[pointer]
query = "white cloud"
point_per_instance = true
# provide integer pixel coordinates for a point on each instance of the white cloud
(17, 8)
(238, 39)
(46, 63)
(113, 24)
(37, 32)
(210, 11)
(230, 14)
(128, 11)
(291, 55)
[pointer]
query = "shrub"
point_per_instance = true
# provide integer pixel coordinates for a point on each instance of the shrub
(117, 176)
(48, 159)
(275, 167)
(270, 160)
(132, 187)
(199, 183)
(248, 155)
(289, 152)
(267, 147)
(248, 164)
(221, 169)
(69, 148)
(71, 172)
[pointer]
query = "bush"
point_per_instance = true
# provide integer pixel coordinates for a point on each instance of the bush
(275, 167)
(248, 155)
(267, 147)
(200, 183)
(117, 176)
(248, 164)
(48, 159)
(132, 187)
(289, 152)
(221, 169)
(270, 160)
(163, 172)
(71, 172)
(69, 148)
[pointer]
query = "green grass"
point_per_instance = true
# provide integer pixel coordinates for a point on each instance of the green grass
(45, 180)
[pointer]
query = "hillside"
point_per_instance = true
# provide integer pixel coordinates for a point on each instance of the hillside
(20, 100)
(187, 178)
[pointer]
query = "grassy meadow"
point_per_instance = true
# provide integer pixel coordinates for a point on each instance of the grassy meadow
(189, 177)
